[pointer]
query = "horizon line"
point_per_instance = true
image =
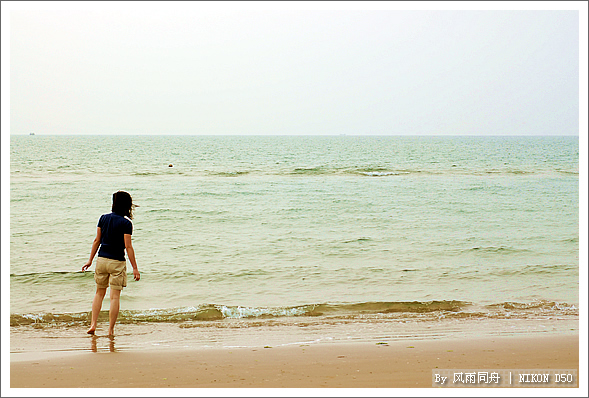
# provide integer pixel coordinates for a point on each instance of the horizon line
(295, 135)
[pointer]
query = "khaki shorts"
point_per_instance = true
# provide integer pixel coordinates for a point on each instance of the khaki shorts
(110, 272)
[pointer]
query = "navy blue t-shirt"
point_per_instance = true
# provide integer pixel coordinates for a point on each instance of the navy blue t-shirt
(113, 227)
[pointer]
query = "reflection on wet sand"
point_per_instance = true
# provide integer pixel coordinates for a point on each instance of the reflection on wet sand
(94, 343)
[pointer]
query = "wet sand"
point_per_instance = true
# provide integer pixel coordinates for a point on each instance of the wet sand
(398, 364)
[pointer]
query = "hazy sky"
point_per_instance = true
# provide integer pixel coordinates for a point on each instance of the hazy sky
(187, 69)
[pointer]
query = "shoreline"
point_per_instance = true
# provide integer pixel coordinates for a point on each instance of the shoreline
(368, 364)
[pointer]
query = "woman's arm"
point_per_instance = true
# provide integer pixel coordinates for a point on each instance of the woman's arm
(131, 254)
(95, 246)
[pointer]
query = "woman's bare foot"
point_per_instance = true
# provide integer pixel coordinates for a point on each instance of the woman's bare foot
(111, 333)
(91, 330)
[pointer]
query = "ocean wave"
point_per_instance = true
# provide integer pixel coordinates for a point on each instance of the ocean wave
(535, 269)
(494, 250)
(217, 312)
(541, 304)
(568, 172)
(322, 170)
(54, 276)
(229, 173)
(145, 173)
(507, 171)
(349, 311)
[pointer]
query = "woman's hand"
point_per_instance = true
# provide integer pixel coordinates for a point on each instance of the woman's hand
(131, 253)
(95, 246)
(86, 266)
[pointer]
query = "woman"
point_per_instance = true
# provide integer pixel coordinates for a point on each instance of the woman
(113, 236)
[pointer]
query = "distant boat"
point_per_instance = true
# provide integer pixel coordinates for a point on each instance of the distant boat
(31, 133)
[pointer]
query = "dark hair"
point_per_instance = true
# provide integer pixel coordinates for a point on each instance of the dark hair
(122, 204)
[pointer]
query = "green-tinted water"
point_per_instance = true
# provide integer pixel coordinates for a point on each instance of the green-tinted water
(282, 222)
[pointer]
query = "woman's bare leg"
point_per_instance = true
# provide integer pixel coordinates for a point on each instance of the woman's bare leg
(113, 314)
(96, 306)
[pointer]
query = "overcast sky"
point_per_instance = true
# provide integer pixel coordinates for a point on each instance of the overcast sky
(186, 69)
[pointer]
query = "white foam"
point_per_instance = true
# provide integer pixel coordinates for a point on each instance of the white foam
(252, 312)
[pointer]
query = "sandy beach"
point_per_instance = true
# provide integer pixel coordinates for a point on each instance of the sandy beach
(400, 364)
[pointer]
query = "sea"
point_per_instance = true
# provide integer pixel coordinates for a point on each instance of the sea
(307, 232)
